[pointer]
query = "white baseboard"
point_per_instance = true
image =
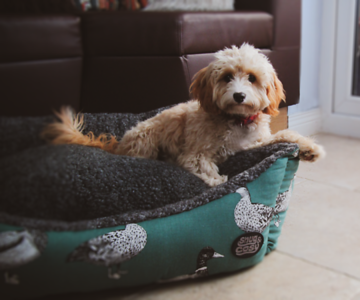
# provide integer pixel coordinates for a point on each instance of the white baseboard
(344, 125)
(306, 123)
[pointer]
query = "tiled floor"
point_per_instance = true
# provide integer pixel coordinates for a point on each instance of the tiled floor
(318, 256)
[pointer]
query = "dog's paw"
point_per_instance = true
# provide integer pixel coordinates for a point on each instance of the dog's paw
(312, 152)
(216, 181)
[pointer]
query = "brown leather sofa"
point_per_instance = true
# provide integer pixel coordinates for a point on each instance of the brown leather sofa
(134, 61)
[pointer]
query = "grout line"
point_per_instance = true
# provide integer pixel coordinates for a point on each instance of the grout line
(356, 190)
(318, 265)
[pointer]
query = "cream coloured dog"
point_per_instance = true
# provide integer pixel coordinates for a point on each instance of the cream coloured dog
(235, 96)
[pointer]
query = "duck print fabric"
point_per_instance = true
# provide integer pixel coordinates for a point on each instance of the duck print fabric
(283, 200)
(112, 249)
(205, 254)
(251, 217)
(19, 248)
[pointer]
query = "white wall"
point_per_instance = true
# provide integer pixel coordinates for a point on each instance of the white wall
(310, 56)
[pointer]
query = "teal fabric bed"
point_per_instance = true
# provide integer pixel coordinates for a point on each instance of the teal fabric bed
(63, 230)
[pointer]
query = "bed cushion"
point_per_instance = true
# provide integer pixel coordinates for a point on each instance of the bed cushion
(75, 218)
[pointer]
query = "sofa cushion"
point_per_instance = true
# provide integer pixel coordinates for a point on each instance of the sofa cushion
(24, 38)
(287, 19)
(174, 33)
(40, 63)
(35, 88)
(194, 5)
(133, 84)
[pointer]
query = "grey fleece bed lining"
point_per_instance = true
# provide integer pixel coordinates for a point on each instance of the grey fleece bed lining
(104, 189)
(20, 133)
(137, 216)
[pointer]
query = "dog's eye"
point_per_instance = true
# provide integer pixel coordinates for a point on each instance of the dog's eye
(252, 78)
(228, 77)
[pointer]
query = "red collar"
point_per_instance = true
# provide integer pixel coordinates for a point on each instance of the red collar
(243, 121)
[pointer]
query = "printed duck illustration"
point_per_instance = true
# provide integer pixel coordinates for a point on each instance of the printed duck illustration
(112, 249)
(251, 217)
(204, 256)
(283, 200)
(282, 203)
(255, 217)
(18, 248)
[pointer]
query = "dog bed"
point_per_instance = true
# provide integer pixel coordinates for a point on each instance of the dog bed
(78, 219)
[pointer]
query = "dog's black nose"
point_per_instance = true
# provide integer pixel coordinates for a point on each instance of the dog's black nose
(239, 97)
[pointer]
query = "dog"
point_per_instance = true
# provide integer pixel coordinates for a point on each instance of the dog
(234, 99)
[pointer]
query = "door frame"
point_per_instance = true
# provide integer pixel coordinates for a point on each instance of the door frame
(333, 121)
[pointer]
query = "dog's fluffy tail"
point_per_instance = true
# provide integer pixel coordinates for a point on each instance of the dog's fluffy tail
(69, 131)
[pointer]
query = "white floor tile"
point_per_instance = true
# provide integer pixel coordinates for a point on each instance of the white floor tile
(323, 227)
(341, 167)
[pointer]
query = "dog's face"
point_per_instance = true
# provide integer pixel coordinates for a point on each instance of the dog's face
(241, 81)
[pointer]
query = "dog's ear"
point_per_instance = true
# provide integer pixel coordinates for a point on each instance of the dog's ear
(275, 93)
(202, 90)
